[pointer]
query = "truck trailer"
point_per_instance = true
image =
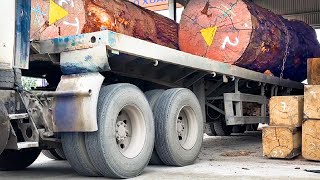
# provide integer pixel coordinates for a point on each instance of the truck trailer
(121, 102)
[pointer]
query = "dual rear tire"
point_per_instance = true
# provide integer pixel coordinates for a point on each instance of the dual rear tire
(179, 127)
(123, 145)
(132, 129)
(55, 154)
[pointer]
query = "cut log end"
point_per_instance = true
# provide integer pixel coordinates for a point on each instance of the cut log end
(286, 111)
(241, 33)
(219, 29)
(311, 101)
(311, 140)
(281, 142)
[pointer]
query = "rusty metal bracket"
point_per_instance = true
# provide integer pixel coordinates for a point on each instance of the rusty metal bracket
(75, 103)
(29, 131)
(38, 110)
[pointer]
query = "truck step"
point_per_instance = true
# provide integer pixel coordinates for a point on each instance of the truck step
(19, 116)
(25, 145)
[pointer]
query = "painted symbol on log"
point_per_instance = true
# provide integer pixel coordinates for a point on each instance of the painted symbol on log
(208, 34)
(61, 2)
(56, 12)
(312, 147)
(274, 153)
(39, 14)
(228, 41)
(314, 94)
(75, 24)
(284, 105)
(54, 18)
(281, 153)
(228, 10)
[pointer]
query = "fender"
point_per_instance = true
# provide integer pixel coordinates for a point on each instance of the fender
(74, 107)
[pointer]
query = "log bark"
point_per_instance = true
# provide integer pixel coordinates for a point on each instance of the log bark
(248, 36)
(95, 15)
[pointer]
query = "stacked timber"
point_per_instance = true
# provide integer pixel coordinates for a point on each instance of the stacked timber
(282, 139)
(313, 71)
(311, 139)
(55, 18)
(311, 125)
(241, 33)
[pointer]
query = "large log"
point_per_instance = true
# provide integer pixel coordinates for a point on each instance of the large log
(84, 16)
(241, 33)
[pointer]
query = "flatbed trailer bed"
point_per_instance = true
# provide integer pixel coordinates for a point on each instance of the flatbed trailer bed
(115, 103)
(211, 80)
(143, 50)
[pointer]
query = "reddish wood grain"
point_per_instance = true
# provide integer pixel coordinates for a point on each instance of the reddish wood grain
(248, 36)
(94, 15)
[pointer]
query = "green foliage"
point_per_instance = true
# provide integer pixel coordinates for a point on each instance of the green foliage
(29, 83)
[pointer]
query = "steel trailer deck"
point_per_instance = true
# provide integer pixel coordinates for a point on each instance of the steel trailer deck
(157, 54)
(213, 82)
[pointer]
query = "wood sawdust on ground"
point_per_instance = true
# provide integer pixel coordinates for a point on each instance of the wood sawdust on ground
(236, 153)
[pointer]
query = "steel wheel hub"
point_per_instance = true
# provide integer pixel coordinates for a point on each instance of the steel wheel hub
(186, 127)
(121, 131)
(130, 131)
(182, 123)
(180, 128)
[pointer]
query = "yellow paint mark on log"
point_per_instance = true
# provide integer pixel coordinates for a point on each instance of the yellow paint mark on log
(56, 12)
(208, 34)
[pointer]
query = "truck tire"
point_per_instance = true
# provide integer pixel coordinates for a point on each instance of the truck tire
(209, 129)
(179, 127)
(9, 77)
(239, 129)
(152, 96)
(60, 153)
(221, 128)
(252, 127)
(55, 154)
(123, 145)
(11, 160)
(75, 150)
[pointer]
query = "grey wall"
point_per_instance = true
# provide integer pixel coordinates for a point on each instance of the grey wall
(304, 10)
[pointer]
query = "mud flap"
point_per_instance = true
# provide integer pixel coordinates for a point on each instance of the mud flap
(75, 103)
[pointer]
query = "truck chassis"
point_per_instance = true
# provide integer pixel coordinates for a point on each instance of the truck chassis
(122, 101)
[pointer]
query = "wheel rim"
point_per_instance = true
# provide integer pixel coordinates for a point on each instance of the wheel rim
(187, 128)
(130, 131)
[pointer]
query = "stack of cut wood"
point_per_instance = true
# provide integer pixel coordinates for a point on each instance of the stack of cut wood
(311, 125)
(282, 139)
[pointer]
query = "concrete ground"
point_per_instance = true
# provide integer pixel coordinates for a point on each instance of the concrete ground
(234, 157)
